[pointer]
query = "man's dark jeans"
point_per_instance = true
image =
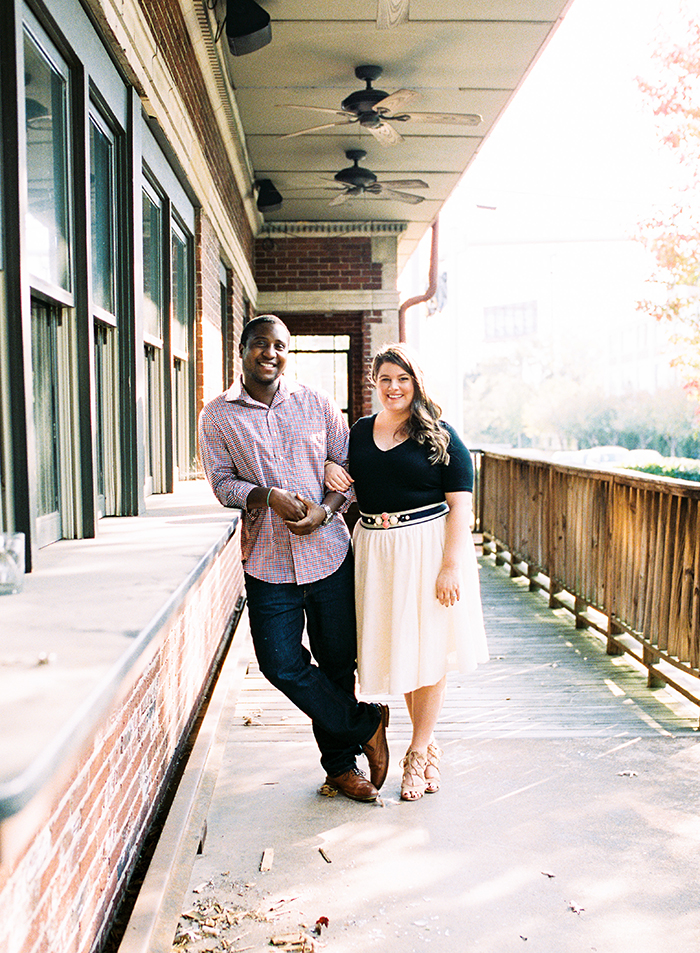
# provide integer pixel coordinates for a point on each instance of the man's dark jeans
(324, 691)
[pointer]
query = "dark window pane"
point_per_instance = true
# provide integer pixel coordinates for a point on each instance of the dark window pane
(152, 267)
(46, 105)
(180, 295)
(102, 218)
(45, 384)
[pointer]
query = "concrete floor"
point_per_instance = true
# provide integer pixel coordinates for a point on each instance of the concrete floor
(567, 822)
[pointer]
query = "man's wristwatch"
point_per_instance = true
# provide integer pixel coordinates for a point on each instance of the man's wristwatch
(329, 514)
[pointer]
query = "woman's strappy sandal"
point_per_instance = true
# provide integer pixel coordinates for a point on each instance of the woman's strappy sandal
(432, 782)
(413, 780)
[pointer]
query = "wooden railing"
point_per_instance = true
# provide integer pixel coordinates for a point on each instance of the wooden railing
(620, 550)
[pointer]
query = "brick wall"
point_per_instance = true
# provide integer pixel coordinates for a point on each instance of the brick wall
(324, 263)
(60, 895)
(169, 29)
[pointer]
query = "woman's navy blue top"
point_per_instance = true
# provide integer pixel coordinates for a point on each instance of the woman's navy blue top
(390, 481)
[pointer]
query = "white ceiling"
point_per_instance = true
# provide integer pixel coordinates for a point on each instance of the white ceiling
(462, 56)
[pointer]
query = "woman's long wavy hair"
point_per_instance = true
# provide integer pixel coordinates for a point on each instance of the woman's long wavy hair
(423, 423)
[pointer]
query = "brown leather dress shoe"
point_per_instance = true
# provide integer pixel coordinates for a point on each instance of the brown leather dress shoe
(377, 750)
(354, 785)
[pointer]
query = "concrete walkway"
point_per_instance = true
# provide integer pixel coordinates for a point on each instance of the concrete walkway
(567, 821)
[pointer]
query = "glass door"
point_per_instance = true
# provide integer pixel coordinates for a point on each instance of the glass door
(45, 321)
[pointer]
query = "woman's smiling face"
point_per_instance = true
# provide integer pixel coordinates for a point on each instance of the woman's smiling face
(395, 388)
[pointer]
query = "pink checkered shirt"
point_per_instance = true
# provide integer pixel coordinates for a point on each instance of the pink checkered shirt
(245, 444)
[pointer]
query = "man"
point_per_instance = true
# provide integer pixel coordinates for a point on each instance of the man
(263, 444)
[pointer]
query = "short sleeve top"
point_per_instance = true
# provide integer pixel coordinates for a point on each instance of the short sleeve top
(403, 478)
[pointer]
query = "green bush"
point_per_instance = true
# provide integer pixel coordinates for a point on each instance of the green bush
(678, 469)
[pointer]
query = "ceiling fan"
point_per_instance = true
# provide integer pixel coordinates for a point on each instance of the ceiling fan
(355, 181)
(373, 109)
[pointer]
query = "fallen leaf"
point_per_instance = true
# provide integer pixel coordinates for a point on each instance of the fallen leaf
(327, 790)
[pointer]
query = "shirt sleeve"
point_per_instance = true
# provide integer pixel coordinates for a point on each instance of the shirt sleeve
(458, 474)
(218, 465)
(337, 439)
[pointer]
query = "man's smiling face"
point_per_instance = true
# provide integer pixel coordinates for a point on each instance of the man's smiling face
(264, 355)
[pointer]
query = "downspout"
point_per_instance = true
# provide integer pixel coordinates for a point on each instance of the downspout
(432, 284)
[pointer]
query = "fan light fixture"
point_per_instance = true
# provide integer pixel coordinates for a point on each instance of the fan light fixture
(269, 199)
(247, 26)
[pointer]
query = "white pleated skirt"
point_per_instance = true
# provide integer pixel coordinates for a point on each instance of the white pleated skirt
(406, 639)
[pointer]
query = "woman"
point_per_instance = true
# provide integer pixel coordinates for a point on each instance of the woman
(416, 577)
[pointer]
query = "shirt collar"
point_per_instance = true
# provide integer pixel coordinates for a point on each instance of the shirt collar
(237, 391)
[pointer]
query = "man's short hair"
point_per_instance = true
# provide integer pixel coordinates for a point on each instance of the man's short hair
(249, 328)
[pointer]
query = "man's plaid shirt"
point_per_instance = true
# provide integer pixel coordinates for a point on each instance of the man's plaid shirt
(245, 444)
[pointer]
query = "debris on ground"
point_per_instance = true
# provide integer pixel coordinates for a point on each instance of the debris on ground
(294, 942)
(215, 925)
(267, 859)
(574, 907)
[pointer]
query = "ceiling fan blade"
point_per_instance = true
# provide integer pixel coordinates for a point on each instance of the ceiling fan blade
(394, 102)
(448, 119)
(391, 13)
(406, 183)
(339, 199)
(316, 109)
(404, 197)
(304, 132)
(385, 134)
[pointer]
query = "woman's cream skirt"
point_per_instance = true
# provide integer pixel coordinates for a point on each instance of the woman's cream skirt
(406, 639)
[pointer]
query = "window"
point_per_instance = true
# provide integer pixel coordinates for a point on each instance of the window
(47, 128)
(153, 308)
(46, 421)
(510, 320)
(226, 327)
(102, 205)
(47, 250)
(153, 266)
(103, 214)
(181, 345)
(322, 361)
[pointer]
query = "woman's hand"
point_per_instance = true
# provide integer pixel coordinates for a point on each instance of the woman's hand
(336, 478)
(447, 586)
(457, 530)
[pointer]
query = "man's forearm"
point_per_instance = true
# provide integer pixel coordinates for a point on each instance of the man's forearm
(334, 500)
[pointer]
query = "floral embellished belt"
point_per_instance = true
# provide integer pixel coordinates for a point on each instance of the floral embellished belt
(392, 520)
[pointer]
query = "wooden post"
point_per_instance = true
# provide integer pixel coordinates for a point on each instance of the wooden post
(650, 658)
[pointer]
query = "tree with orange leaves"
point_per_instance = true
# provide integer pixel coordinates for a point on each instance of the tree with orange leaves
(672, 233)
